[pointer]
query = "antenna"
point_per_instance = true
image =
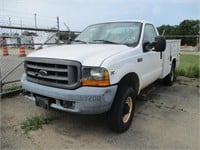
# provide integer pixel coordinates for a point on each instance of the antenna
(163, 32)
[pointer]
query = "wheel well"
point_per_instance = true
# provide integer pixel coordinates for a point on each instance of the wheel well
(131, 80)
(174, 63)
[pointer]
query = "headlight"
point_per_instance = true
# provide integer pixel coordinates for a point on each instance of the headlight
(95, 76)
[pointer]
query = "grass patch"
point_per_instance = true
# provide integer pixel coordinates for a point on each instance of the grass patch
(189, 66)
(12, 87)
(34, 123)
(152, 101)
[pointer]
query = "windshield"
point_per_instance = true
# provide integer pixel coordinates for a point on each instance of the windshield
(127, 33)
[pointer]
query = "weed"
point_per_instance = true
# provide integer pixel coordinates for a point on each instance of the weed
(152, 101)
(158, 106)
(181, 109)
(173, 107)
(34, 123)
(13, 87)
(183, 83)
(168, 107)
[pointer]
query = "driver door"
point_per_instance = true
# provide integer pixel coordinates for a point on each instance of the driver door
(152, 61)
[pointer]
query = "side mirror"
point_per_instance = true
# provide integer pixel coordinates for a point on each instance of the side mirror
(147, 46)
(159, 44)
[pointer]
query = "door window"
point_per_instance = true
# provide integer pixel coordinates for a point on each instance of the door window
(149, 33)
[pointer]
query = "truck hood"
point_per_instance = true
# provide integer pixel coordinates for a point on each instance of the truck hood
(87, 54)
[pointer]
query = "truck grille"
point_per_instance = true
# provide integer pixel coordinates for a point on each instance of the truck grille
(53, 72)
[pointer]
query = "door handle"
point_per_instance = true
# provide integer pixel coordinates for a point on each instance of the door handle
(139, 59)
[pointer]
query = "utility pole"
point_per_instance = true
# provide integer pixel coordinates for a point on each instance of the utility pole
(10, 25)
(58, 23)
(21, 26)
(58, 27)
(35, 15)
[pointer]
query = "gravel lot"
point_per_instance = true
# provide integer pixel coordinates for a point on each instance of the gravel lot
(167, 118)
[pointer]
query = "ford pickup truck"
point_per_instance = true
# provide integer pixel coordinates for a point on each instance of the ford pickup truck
(102, 70)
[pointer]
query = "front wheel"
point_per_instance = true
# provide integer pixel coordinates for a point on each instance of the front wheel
(121, 114)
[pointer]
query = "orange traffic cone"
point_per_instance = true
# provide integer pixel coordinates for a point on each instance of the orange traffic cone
(22, 51)
(5, 50)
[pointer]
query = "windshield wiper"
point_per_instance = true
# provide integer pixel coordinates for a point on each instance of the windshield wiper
(80, 41)
(111, 42)
(131, 45)
(106, 41)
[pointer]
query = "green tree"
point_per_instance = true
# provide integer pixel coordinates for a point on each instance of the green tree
(189, 27)
(27, 33)
(168, 30)
(185, 28)
(16, 34)
(64, 36)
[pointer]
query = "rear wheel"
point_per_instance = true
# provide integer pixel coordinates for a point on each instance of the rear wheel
(170, 78)
(122, 111)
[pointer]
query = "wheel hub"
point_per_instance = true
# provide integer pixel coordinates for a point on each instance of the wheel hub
(128, 106)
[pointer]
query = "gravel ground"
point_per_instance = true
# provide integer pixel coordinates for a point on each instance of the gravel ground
(166, 118)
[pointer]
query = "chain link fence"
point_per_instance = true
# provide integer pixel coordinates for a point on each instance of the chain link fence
(13, 36)
(11, 70)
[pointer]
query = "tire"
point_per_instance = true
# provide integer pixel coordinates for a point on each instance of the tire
(121, 113)
(170, 78)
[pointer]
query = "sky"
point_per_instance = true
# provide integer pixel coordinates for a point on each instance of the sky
(78, 14)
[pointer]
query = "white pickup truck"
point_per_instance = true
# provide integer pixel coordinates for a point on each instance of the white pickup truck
(102, 70)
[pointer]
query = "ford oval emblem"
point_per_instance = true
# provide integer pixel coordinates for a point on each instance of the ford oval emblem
(43, 72)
